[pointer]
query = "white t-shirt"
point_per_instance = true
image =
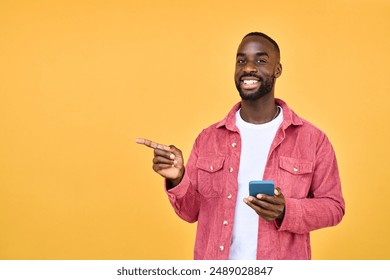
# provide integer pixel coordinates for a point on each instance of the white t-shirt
(256, 140)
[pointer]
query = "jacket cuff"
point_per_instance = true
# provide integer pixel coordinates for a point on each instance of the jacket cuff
(179, 191)
(292, 216)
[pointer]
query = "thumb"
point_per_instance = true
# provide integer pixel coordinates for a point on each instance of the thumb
(175, 151)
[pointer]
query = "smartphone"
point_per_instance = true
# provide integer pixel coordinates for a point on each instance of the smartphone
(263, 187)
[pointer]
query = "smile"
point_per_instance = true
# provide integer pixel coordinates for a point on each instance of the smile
(250, 82)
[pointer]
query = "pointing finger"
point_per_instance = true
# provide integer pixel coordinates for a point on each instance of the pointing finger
(152, 144)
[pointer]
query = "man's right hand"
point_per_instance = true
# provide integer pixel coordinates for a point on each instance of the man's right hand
(167, 161)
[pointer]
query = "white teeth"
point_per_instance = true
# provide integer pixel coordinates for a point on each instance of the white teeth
(250, 82)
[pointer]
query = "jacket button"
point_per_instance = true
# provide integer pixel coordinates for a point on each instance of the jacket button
(225, 223)
(231, 169)
(211, 167)
(221, 248)
(234, 145)
(295, 169)
(229, 196)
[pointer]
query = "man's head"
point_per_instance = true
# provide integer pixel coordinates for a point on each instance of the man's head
(257, 66)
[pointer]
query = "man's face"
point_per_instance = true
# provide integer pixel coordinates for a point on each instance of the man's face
(257, 67)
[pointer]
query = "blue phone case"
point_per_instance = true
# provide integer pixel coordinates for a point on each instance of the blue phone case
(263, 187)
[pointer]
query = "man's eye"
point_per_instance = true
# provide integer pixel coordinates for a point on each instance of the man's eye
(241, 61)
(261, 61)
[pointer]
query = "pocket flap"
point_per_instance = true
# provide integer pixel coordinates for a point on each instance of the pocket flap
(210, 164)
(295, 166)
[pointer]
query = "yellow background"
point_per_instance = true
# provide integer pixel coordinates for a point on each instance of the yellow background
(80, 80)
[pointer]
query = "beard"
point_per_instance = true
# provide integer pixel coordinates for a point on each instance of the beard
(264, 89)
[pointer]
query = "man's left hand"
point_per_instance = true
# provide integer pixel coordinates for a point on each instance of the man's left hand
(268, 207)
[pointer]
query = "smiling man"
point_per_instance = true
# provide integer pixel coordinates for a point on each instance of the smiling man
(261, 138)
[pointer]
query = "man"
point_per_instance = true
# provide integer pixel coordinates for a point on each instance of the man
(260, 139)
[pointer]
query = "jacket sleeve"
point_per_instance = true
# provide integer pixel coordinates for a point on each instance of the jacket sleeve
(185, 197)
(324, 206)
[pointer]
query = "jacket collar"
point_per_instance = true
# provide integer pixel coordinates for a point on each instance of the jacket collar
(289, 116)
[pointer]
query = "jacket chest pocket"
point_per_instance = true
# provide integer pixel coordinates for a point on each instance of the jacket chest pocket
(210, 176)
(295, 176)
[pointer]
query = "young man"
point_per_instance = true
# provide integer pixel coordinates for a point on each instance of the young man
(261, 138)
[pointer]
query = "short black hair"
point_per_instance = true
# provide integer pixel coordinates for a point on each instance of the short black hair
(265, 36)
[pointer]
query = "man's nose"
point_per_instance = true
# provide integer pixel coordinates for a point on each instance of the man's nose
(250, 68)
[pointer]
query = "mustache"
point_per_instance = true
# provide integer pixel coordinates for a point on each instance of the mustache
(251, 75)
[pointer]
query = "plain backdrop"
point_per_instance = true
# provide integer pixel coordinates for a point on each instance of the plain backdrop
(80, 80)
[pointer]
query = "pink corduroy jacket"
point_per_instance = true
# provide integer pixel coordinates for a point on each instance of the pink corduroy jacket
(302, 163)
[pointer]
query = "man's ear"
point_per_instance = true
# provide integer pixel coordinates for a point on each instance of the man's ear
(278, 71)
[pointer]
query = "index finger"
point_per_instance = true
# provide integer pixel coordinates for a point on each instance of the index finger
(278, 191)
(152, 144)
(269, 199)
